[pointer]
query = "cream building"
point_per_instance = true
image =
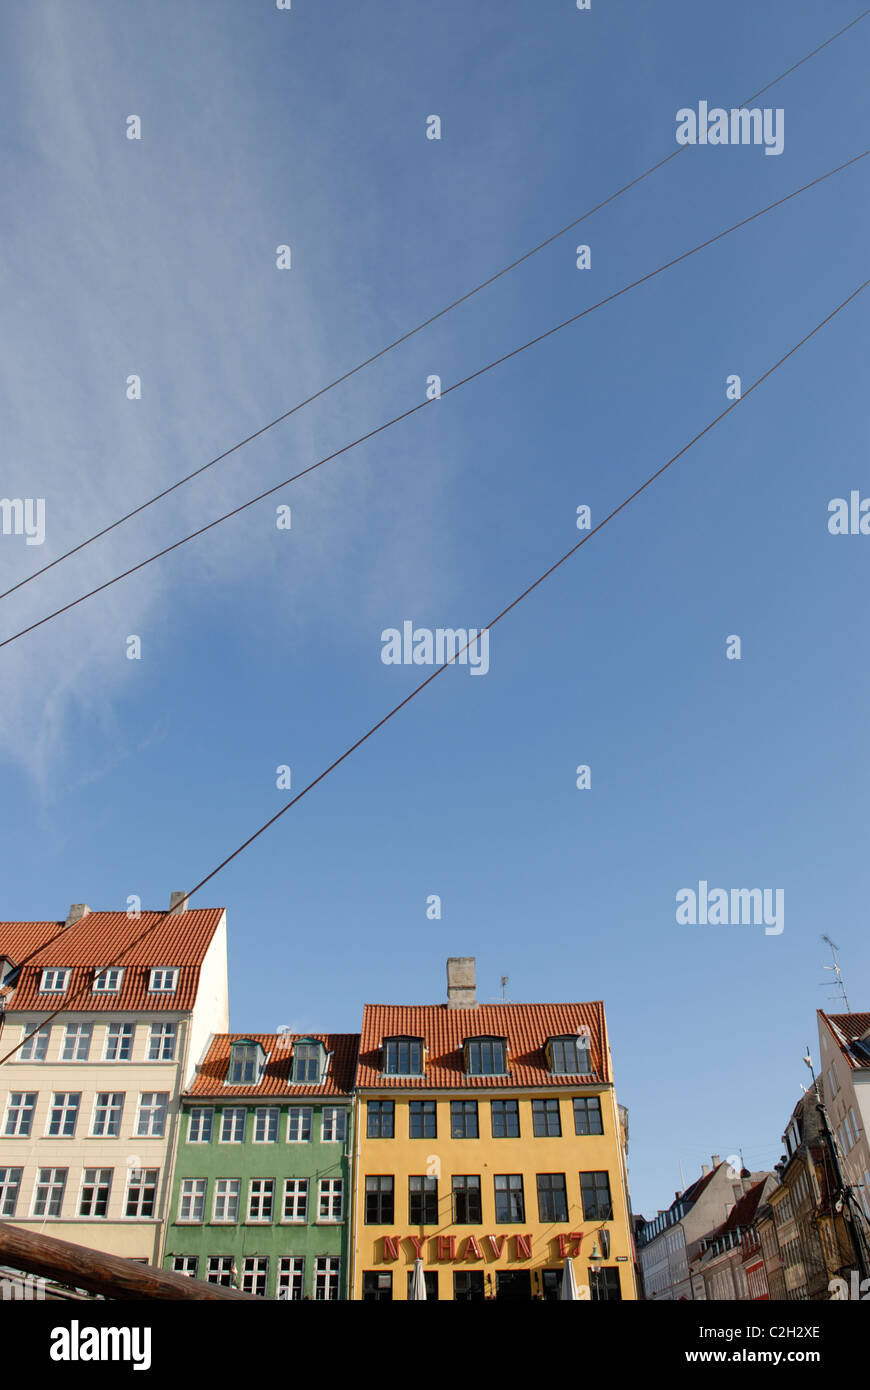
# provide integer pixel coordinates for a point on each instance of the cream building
(108, 1016)
(844, 1045)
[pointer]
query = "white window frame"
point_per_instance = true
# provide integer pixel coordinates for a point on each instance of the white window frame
(114, 1114)
(260, 1191)
(139, 1178)
(270, 1124)
(204, 1116)
(303, 1115)
(54, 980)
(330, 1194)
(186, 1265)
(222, 1266)
(52, 1184)
(192, 1193)
(163, 979)
(241, 1061)
(338, 1124)
(153, 1110)
(100, 1181)
(296, 1199)
(121, 1034)
(108, 979)
(159, 1034)
(36, 1047)
(63, 1105)
(74, 1035)
(323, 1269)
(234, 1111)
(255, 1270)
(24, 1106)
(10, 1190)
(289, 1268)
(227, 1195)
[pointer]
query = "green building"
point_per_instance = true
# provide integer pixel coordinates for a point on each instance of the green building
(261, 1187)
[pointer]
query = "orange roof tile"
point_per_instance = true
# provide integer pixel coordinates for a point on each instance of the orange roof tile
(103, 938)
(525, 1026)
(275, 1081)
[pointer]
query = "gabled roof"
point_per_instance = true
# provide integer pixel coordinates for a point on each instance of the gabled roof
(743, 1211)
(526, 1027)
(103, 938)
(275, 1082)
(694, 1190)
(851, 1032)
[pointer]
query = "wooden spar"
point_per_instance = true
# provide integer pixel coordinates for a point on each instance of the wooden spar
(81, 1268)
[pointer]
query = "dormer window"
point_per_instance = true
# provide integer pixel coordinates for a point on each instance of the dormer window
(108, 981)
(403, 1056)
(7, 968)
(309, 1063)
(486, 1056)
(163, 980)
(570, 1056)
(246, 1064)
(54, 981)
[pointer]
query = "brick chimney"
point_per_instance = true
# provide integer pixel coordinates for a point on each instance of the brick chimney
(461, 983)
(76, 913)
(178, 902)
(715, 1159)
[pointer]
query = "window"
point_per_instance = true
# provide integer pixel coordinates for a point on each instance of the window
(467, 1209)
(48, 1192)
(377, 1286)
(379, 1119)
(162, 1039)
(255, 1274)
(587, 1115)
(96, 1187)
(199, 1125)
(10, 1186)
(299, 1124)
(551, 1285)
(569, 1056)
(468, 1286)
(326, 1271)
(19, 1114)
(486, 1056)
(163, 980)
(260, 1197)
(108, 981)
(233, 1125)
(191, 1199)
(595, 1190)
(422, 1119)
(509, 1200)
(220, 1270)
(185, 1264)
(245, 1064)
(552, 1197)
(545, 1117)
(53, 982)
(141, 1191)
(463, 1119)
(36, 1047)
(430, 1279)
(63, 1114)
(333, 1124)
(151, 1119)
(76, 1042)
(379, 1201)
(108, 1110)
(330, 1199)
(423, 1201)
(225, 1207)
(119, 1042)
(307, 1063)
(265, 1125)
(291, 1278)
(604, 1284)
(403, 1056)
(295, 1199)
(505, 1119)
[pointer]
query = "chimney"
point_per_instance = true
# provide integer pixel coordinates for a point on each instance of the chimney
(461, 984)
(704, 1170)
(178, 902)
(715, 1160)
(76, 913)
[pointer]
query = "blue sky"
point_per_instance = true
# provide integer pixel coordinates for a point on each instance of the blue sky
(262, 647)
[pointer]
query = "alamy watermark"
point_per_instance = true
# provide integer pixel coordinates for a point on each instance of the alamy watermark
(856, 1289)
(22, 1286)
(739, 126)
(423, 646)
(721, 907)
(23, 516)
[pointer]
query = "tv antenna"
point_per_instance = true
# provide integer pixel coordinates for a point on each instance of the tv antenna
(504, 980)
(837, 983)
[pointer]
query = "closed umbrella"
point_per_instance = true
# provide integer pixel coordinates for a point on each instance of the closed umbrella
(418, 1281)
(569, 1283)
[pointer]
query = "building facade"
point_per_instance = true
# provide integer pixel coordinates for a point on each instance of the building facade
(844, 1043)
(491, 1147)
(262, 1176)
(90, 1102)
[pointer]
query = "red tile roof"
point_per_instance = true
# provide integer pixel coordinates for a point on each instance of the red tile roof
(104, 938)
(743, 1211)
(525, 1026)
(847, 1030)
(275, 1081)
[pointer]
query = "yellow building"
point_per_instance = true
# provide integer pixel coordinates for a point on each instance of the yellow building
(489, 1146)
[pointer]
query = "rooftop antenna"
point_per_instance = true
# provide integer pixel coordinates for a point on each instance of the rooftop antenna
(838, 984)
(504, 980)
